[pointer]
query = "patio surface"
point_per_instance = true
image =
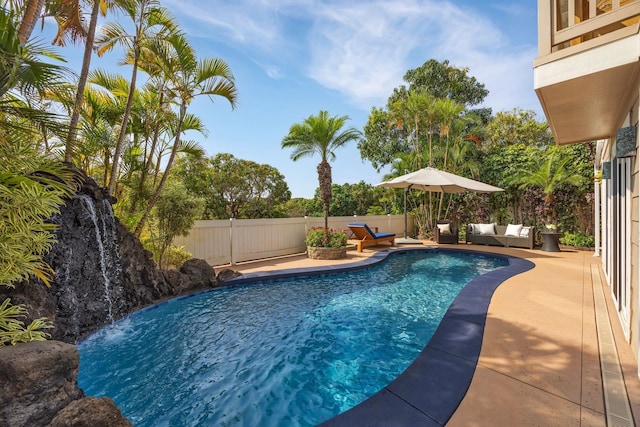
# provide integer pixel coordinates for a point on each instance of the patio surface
(544, 359)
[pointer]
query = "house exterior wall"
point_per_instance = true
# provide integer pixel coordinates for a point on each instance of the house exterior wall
(587, 77)
(620, 228)
(635, 239)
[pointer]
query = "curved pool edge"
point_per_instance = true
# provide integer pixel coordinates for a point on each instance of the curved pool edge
(370, 261)
(430, 390)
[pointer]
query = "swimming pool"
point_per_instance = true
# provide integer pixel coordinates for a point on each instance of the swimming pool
(295, 351)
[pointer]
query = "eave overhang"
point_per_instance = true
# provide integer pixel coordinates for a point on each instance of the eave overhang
(585, 95)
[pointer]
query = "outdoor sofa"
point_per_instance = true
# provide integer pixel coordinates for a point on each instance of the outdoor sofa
(512, 235)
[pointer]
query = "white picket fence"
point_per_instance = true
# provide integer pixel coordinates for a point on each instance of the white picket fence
(222, 242)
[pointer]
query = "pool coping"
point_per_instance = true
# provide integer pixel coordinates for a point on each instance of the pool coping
(430, 390)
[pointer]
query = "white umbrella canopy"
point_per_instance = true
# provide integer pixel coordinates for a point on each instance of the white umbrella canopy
(432, 179)
(435, 180)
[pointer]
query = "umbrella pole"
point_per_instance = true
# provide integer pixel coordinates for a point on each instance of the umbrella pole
(406, 189)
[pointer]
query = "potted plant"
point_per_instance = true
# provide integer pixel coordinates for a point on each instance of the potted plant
(326, 243)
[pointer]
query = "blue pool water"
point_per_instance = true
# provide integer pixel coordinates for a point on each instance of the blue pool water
(290, 352)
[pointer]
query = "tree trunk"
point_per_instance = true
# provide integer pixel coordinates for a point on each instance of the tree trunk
(324, 179)
(165, 175)
(82, 82)
(123, 126)
(148, 158)
(32, 12)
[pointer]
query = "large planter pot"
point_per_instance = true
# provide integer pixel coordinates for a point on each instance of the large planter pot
(326, 253)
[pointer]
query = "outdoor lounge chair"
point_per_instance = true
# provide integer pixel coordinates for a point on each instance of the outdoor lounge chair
(445, 232)
(367, 237)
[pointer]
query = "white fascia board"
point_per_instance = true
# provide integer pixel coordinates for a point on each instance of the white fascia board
(604, 57)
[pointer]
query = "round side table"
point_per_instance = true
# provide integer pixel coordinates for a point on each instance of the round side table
(550, 241)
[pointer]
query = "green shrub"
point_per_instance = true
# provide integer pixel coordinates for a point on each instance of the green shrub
(175, 256)
(12, 329)
(317, 237)
(578, 240)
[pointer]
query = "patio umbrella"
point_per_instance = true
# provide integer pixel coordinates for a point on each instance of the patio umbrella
(435, 180)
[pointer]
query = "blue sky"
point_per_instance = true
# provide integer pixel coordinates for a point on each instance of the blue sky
(293, 58)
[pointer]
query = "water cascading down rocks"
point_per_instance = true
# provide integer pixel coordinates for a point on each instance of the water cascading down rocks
(102, 273)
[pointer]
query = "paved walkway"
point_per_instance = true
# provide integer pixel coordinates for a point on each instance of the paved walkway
(540, 363)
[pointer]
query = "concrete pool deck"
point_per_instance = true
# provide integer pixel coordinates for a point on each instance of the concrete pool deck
(540, 362)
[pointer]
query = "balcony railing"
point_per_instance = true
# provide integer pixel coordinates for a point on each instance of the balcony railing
(564, 24)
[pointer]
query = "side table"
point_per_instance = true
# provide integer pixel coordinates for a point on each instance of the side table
(550, 241)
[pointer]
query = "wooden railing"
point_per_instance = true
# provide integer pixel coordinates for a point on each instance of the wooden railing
(591, 25)
(222, 242)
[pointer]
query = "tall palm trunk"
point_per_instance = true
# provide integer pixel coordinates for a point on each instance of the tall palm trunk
(82, 82)
(32, 12)
(154, 143)
(324, 179)
(165, 175)
(123, 126)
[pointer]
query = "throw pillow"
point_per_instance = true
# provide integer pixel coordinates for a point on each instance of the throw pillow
(444, 228)
(525, 232)
(486, 229)
(513, 230)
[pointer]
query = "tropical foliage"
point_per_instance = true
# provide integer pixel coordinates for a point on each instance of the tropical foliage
(578, 240)
(176, 213)
(320, 237)
(14, 331)
(549, 173)
(136, 135)
(234, 188)
(428, 123)
(432, 122)
(33, 186)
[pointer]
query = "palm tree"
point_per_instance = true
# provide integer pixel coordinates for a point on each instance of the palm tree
(549, 173)
(105, 103)
(416, 114)
(447, 111)
(320, 135)
(190, 78)
(32, 11)
(152, 23)
(72, 26)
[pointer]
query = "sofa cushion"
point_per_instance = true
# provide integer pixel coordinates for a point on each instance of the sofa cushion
(524, 232)
(485, 229)
(513, 230)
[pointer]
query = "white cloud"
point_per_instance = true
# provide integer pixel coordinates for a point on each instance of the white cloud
(362, 49)
(364, 52)
(273, 71)
(243, 22)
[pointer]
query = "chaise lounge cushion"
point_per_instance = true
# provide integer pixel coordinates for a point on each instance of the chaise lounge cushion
(375, 235)
(367, 237)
